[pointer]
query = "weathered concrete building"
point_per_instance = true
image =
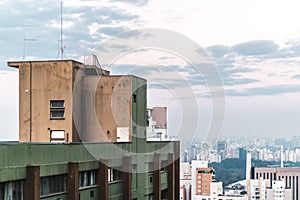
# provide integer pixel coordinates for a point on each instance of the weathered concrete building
(70, 102)
(83, 136)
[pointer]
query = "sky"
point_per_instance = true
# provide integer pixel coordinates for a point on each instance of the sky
(254, 45)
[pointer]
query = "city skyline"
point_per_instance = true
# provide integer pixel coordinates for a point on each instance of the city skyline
(255, 49)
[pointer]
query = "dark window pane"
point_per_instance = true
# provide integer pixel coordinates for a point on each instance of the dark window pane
(57, 114)
(57, 104)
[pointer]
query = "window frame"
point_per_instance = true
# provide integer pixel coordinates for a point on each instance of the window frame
(57, 109)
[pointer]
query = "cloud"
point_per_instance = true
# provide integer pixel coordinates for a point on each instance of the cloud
(133, 2)
(218, 50)
(42, 20)
(244, 66)
(296, 76)
(265, 91)
(255, 48)
(239, 81)
(113, 30)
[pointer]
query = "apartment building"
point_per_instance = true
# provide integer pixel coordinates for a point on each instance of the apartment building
(83, 136)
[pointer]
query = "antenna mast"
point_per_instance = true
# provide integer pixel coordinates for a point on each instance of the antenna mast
(26, 40)
(61, 31)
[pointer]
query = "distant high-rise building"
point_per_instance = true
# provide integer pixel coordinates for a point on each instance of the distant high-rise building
(185, 181)
(290, 176)
(278, 191)
(204, 176)
(242, 153)
(192, 154)
(257, 189)
(216, 193)
(157, 124)
(197, 165)
(221, 145)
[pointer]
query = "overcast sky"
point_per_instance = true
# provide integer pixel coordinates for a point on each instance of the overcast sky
(254, 44)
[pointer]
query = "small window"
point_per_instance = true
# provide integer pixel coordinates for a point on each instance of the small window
(57, 104)
(87, 178)
(57, 114)
(92, 193)
(134, 97)
(53, 184)
(57, 136)
(114, 174)
(57, 109)
(12, 190)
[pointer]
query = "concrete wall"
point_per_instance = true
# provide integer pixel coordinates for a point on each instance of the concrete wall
(107, 106)
(40, 82)
(96, 107)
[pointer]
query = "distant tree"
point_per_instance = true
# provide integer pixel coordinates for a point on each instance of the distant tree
(232, 170)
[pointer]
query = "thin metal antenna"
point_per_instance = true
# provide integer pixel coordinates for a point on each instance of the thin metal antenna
(25, 40)
(61, 31)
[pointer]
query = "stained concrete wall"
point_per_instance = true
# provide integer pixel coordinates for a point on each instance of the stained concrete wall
(95, 106)
(40, 82)
(107, 105)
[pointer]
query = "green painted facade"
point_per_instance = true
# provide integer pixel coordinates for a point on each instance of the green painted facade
(53, 160)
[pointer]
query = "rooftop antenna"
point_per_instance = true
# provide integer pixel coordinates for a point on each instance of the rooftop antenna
(26, 40)
(61, 31)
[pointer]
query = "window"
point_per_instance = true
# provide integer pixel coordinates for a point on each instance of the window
(151, 197)
(12, 190)
(52, 184)
(57, 109)
(57, 114)
(92, 193)
(134, 97)
(87, 178)
(114, 175)
(57, 136)
(57, 104)
(164, 194)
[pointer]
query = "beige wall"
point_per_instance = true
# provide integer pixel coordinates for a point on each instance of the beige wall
(95, 106)
(46, 81)
(107, 105)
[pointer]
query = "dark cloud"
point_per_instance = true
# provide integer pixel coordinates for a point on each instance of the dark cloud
(255, 48)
